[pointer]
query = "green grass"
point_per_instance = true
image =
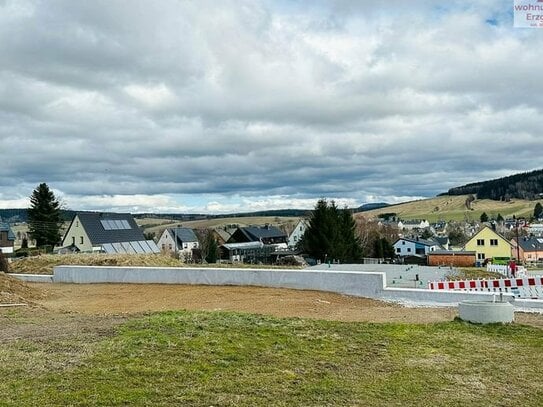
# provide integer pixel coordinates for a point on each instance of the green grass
(230, 359)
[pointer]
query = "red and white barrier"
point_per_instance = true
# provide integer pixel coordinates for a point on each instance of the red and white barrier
(525, 287)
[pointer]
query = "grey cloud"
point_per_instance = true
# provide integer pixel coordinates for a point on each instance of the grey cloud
(348, 99)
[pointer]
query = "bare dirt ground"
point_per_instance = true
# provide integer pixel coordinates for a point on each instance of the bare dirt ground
(91, 311)
(125, 299)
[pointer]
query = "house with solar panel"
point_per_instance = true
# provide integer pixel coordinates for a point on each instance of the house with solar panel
(181, 241)
(106, 233)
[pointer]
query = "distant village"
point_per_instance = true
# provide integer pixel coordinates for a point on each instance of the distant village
(442, 243)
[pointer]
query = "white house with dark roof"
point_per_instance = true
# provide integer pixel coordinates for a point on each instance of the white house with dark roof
(415, 246)
(413, 224)
(179, 240)
(106, 233)
(297, 233)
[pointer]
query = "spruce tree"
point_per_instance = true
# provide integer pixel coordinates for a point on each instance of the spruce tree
(44, 219)
(331, 234)
(538, 211)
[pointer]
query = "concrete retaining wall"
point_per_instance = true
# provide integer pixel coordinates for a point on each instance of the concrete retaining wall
(34, 278)
(359, 284)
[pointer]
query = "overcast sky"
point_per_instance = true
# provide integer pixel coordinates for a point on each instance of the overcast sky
(224, 106)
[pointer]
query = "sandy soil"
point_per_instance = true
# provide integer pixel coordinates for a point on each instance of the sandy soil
(122, 299)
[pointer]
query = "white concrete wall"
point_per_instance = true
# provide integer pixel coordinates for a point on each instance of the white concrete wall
(359, 284)
(34, 278)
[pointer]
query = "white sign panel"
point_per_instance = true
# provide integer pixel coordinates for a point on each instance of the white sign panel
(528, 13)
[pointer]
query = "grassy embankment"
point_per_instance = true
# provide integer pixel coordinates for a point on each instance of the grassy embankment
(230, 359)
(45, 263)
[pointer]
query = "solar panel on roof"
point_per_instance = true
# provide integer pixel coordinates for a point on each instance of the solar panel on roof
(137, 247)
(115, 224)
(108, 248)
(118, 248)
(127, 248)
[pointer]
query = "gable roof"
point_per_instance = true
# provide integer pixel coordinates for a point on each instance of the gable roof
(4, 227)
(100, 231)
(420, 241)
(474, 237)
(183, 235)
(255, 233)
(531, 244)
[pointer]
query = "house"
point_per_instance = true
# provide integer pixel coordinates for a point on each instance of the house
(221, 235)
(413, 224)
(7, 239)
(245, 252)
(443, 241)
(181, 241)
(414, 246)
(254, 244)
(297, 233)
(535, 229)
(268, 235)
(106, 233)
(488, 244)
(530, 249)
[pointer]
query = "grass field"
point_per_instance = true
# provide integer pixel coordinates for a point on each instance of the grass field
(156, 227)
(453, 208)
(232, 359)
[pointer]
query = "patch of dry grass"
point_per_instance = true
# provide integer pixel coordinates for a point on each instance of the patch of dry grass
(44, 264)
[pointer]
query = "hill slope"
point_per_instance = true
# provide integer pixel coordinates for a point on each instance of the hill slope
(527, 185)
(454, 208)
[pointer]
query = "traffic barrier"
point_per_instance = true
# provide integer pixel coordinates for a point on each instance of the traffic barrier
(522, 287)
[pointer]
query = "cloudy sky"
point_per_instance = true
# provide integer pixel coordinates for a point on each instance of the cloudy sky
(223, 106)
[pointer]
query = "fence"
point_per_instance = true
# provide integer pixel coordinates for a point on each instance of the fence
(524, 287)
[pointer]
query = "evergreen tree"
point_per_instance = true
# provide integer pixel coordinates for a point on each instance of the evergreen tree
(44, 220)
(538, 211)
(499, 219)
(213, 250)
(484, 217)
(331, 234)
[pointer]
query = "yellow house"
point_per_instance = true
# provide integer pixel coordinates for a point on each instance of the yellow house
(487, 244)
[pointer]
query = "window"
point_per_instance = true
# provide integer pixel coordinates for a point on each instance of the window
(493, 242)
(73, 240)
(480, 256)
(76, 223)
(409, 250)
(480, 242)
(403, 242)
(398, 250)
(81, 239)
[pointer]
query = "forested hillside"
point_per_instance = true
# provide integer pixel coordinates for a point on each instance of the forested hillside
(527, 185)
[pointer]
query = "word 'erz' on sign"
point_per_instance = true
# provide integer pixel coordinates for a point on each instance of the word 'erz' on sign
(528, 13)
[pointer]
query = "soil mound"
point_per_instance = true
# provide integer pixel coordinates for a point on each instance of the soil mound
(14, 291)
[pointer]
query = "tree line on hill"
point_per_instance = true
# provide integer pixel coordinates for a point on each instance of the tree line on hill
(527, 185)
